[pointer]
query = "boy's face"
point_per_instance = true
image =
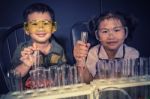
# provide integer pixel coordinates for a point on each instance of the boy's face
(111, 33)
(39, 27)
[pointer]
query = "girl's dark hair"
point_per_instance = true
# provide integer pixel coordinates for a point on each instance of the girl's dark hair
(38, 7)
(128, 21)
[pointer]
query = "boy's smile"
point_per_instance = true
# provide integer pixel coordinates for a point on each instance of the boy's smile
(41, 34)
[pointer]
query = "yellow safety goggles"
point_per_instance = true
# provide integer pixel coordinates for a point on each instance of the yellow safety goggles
(39, 24)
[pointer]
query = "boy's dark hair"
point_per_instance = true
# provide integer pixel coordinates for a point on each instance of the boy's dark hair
(38, 7)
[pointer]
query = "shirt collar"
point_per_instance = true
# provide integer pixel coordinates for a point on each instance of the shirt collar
(119, 54)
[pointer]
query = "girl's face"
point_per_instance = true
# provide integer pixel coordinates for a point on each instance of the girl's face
(111, 33)
(39, 27)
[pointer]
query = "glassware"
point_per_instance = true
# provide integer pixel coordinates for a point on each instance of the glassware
(38, 78)
(100, 69)
(112, 66)
(66, 75)
(141, 68)
(48, 78)
(144, 68)
(123, 78)
(84, 38)
(72, 75)
(54, 75)
(38, 59)
(15, 82)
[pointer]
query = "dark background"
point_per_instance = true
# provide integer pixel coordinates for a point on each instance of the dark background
(68, 12)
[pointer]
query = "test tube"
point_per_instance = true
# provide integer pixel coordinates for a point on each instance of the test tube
(84, 36)
(36, 55)
(15, 82)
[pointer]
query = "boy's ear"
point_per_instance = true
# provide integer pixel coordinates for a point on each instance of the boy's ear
(26, 29)
(54, 28)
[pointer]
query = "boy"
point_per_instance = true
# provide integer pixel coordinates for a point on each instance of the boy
(39, 25)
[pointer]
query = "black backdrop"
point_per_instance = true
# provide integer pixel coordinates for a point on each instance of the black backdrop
(69, 12)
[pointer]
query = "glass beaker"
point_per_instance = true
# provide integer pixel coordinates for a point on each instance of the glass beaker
(14, 82)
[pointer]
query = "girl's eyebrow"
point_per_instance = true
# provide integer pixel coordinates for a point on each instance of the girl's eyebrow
(40, 20)
(112, 28)
(103, 28)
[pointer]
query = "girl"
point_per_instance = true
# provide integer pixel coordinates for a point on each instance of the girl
(112, 31)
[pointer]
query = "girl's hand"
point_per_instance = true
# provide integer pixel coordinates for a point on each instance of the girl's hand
(80, 51)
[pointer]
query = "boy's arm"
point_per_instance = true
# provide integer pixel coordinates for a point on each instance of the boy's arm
(17, 64)
(22, 69)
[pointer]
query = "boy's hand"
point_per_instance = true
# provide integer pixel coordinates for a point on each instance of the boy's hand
(80, 52)
(27, 56)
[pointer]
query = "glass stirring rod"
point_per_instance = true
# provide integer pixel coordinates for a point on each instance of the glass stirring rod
(37, 59)
(84, 38)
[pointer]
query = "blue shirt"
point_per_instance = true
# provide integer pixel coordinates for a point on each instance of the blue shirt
(55, 56)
